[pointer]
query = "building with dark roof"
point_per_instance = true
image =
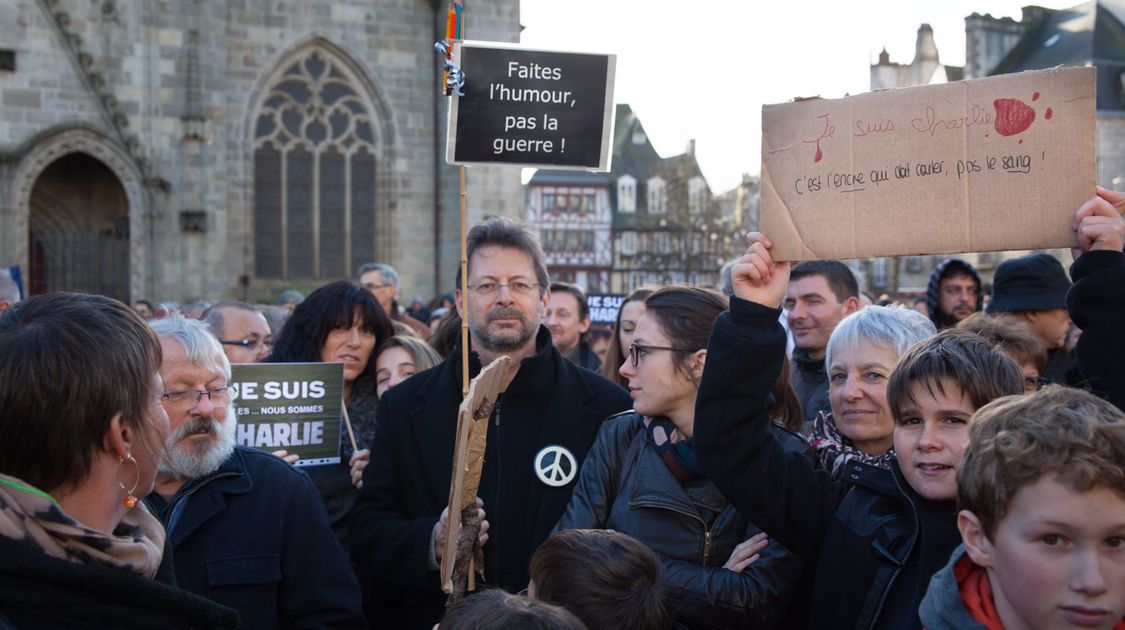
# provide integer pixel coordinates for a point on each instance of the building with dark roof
(651, 220)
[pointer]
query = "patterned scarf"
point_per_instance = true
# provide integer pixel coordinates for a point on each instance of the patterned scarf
(31, 515)
(834, 451)
(678, 456)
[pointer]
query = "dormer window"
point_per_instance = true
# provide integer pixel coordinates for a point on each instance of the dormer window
(626, 194)
(657, 195)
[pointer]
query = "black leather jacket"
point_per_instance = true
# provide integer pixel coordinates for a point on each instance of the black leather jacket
(691, 527)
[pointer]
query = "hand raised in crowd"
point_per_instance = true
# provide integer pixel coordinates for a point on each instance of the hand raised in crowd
(1099, 223)
(756, 277)
(746, 553)
(290, 458)
(358, 462)
(441, 528)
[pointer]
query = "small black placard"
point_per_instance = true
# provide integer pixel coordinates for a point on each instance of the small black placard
(532, 108)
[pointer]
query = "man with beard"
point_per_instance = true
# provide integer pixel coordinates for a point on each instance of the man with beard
(245, 528)
(540, 430)
(953, 293)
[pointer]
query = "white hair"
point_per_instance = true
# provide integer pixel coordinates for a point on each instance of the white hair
(202, 347)
(895, 327)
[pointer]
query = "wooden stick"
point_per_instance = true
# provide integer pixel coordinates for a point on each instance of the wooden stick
(463, 579)
(464, 295)
(348, 424)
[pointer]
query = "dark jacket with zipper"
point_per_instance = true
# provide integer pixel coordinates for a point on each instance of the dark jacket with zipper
(1096, 304)
(626, 486)
(873, 541)
(254, 536)
(406, 485)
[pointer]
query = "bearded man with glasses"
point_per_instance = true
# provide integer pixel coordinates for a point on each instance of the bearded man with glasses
(245, 528)
(540, 431)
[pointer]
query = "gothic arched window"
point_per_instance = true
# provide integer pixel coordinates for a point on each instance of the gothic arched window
(315, 148)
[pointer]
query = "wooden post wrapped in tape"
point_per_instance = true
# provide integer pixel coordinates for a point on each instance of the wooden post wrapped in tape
(468, 459)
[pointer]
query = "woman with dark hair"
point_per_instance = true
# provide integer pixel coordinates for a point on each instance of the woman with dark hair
(339, 323)
(81, 432)
(641, 478)
(631, 310)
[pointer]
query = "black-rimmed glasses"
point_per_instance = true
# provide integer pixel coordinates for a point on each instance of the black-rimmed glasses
(250, 344)
(188, 398)
(638, 351)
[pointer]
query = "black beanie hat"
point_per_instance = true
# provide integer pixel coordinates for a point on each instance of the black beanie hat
(1036, 282)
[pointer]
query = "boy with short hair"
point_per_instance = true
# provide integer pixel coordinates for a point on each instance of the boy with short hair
(875, 537)
(1042, 492)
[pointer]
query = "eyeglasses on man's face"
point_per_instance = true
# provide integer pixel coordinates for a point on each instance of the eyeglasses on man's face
(490, 289)
(188, 398)
(638, 351)
(250, 343)
(371, 286)
(1034, 383)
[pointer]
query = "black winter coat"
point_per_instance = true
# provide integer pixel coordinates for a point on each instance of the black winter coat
(406, 485)
(254, 535)
(871, 538)
(691, 528)
(1096, 303)
(41, 591)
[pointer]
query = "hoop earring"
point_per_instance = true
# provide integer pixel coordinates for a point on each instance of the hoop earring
(130, 501)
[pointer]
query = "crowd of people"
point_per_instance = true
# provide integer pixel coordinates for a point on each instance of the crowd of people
(778, 453)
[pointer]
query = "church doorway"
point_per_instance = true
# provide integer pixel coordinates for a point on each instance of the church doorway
(79, 229)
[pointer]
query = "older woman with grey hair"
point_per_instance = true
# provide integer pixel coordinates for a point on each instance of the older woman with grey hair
(861, 354)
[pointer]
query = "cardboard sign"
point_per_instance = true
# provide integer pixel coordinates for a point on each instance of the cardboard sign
(989, 164)
(291, 406)
(526, 107)
(604, 308)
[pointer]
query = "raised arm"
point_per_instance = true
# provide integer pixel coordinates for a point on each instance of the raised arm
(779, 491)
(1096, 302)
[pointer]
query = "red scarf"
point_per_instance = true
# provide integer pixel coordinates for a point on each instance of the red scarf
(976, 592)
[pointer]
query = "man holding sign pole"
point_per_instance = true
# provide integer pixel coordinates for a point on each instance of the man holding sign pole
(246, 529)
(540, 430)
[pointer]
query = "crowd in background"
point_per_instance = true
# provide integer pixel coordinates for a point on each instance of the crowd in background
(778, 452)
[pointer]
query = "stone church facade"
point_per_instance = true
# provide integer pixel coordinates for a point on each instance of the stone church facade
(212, 149)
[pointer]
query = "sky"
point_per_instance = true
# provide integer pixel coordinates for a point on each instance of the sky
(702, 69)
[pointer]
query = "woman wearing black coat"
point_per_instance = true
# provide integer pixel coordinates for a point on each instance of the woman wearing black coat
(642, 478)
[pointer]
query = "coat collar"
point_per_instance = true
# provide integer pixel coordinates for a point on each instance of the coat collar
(200, 499)
(653, 484)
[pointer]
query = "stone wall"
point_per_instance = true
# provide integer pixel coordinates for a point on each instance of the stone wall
(170, 90)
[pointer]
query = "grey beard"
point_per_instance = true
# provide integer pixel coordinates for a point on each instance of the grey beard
(500, 344)
(183, 463)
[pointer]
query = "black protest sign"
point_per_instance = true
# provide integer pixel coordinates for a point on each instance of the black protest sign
(539, 108)
(292, 406)
(604, 308)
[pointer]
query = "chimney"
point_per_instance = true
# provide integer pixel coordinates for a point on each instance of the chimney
(691, 147)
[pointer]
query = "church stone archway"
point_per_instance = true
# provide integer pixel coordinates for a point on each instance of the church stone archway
(78, 236)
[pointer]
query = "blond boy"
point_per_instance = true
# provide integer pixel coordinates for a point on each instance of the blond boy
(1042, 492)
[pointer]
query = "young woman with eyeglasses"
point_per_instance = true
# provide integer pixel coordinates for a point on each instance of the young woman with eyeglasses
(642, 478)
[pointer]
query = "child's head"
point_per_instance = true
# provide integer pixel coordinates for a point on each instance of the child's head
(1042, 492)
(933, 392)
(496, 609)
(606, 578)
(1011, 337)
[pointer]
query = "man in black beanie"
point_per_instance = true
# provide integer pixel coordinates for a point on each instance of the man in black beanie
(1033, 288)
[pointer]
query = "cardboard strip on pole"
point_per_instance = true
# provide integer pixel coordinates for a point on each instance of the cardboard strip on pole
(983, 165)
(468, 458)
